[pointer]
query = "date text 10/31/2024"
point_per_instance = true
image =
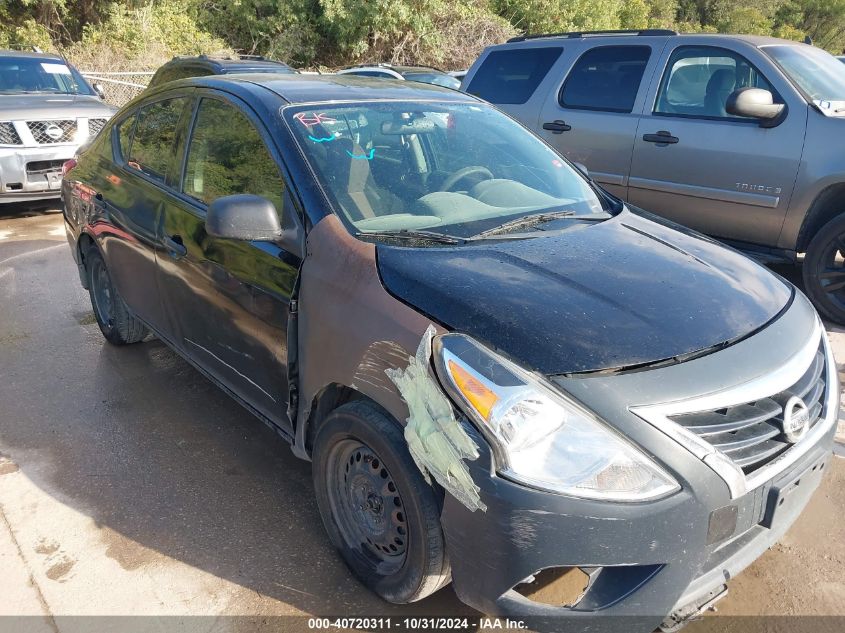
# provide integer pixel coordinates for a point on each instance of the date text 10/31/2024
(416, 623)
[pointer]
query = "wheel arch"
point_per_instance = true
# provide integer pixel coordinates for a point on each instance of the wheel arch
(83, 245)
(828, 204)
(326, 400)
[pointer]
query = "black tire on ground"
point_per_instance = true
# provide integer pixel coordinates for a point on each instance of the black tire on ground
(117, 325)
(377, 509)
(824, 270)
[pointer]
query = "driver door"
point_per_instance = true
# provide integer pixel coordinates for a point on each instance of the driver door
(693, 163)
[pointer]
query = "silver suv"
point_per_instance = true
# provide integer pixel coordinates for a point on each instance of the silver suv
(739, 137)
(47, 110)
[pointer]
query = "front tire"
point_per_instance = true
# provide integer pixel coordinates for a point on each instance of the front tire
(378, 510)
(824, 270)
(117, 325)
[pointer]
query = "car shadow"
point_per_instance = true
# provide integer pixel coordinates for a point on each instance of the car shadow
(158, 457)
(29, 209)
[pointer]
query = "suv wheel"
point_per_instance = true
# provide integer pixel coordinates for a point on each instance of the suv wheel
(378, 511)
(117, 325)
(824, 270)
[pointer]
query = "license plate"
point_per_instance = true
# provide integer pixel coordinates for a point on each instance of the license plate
(783, 497)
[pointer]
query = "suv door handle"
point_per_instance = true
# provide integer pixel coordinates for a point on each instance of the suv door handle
(556, 127)
(175, 248)
(662, 137)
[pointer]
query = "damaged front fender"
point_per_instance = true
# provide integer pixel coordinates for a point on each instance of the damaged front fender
(352, 333)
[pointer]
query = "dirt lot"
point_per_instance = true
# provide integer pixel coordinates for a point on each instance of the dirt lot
(131, 485)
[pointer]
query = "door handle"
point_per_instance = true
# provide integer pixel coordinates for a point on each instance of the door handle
(661, 138)
(175, 248)
(556, 127)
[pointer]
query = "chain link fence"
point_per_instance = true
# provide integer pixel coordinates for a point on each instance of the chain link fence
(119, 87)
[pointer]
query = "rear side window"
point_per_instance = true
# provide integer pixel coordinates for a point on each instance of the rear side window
(124, 134)
(155, 137)
(606, 78)
(227, 156)
(512, 75)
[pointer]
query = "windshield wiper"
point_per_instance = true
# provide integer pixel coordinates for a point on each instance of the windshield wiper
(525, 221)
(407, 234)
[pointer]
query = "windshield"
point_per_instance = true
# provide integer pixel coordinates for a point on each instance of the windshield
(27, 75)
(816, 72)
(451, 169)
(438, 79)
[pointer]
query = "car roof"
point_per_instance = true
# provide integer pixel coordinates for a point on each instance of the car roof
(401, 69)
(325, 88)
(226, 65)
(540, 40)
(31, 55)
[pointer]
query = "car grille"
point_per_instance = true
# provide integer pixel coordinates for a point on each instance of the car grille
(751, 434)
(8, 134)
(94, 126)
(42, 167)
(49, 132)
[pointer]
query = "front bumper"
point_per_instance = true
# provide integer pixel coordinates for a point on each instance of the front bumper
(32, 173)
(645, 561)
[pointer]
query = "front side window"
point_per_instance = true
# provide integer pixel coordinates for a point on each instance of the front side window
(512, 75)
(227, 156)
(699, 80)
(816, 72)
(606, 78)
(456, 169)
(154, 141)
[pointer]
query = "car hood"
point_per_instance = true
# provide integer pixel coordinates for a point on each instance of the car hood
(625, 292)
(52, 106)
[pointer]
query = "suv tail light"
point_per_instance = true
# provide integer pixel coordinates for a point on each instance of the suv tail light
(67, 166)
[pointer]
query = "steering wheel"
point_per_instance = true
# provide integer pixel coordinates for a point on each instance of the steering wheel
(459, 175)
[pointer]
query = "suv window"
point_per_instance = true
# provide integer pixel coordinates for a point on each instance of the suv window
(699, 80)
(606, 78)
(124, 134)
(227, 156)
(153, 143)
(512, 75)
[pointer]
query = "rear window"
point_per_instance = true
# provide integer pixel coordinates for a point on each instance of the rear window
(606, 78)
(512, 75)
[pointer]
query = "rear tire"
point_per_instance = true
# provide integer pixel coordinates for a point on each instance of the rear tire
(824, 270)
(377, 509)
(117, 325)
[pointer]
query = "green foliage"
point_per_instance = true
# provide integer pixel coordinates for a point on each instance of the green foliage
(451, 33)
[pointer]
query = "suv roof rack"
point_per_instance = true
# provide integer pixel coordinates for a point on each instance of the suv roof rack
(577, 34)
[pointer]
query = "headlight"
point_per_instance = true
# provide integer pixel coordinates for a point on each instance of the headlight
(540, 437)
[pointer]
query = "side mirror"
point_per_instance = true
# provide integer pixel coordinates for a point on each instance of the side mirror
(101, 92)
(243, 217)
(754, 103)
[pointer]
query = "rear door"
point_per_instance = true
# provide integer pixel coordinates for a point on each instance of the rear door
(132, 194)
(723, 175)
(230, 299)
(591, 115)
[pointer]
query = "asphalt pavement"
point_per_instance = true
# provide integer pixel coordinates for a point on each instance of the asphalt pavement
(130, 485)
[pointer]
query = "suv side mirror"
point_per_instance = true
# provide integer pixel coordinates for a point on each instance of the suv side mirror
(243, 217)
(754, 103)
(101, 92)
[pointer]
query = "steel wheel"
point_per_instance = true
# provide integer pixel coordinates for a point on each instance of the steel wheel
(367, 505)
